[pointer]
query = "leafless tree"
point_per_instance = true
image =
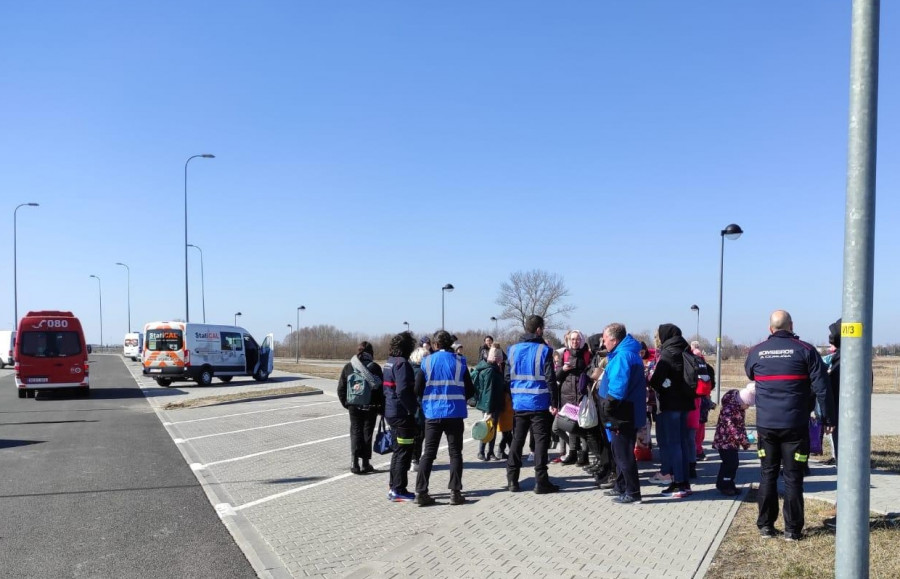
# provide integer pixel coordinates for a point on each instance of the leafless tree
(534, 292)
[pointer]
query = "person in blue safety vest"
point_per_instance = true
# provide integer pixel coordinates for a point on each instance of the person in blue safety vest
(444, 385)
(535, 399)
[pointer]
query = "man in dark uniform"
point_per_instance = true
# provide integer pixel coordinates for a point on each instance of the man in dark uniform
(788, 373)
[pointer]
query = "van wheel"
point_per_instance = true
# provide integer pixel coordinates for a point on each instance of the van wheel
(21, 393)
(164, 382)
(84, 392)
(226, 379)
(205, 377)
(31, 393)
(261, 376)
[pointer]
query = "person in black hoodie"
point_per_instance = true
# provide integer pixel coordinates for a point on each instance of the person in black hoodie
(400, 406)
(834, 380)
(675, 399)
(362, 418)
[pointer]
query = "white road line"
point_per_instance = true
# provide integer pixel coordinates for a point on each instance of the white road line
(313, 485)
(264, 452)
(251, 412)
(264, 427)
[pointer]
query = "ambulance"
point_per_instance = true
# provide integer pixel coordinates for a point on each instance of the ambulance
(51, 354)
(133, 345)
(178, 351)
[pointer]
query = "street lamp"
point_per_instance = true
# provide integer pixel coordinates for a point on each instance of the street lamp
(202, 280)
(236, 317)
(494, 319)
(447, 288)
(292, 332)
(100, 293)
(15, 281)
(187, 305)
(407, 326)
(128, 269)
(299, 309)
(733, 231)
(696, 308)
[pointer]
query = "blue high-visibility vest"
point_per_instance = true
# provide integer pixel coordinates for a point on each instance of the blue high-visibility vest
(527, 382)
(445, 391)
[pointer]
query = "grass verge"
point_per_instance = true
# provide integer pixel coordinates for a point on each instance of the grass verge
(743, 553)
(330, 372)
(235, 396)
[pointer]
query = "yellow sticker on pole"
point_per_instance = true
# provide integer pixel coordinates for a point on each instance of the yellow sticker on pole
(851, 330)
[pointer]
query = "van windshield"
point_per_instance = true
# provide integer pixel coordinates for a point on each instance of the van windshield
(164, 340)
(50, 344)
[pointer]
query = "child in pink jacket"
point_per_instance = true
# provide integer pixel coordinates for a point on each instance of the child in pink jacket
(731, 435)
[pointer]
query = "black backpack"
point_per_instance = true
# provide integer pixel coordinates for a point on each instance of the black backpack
(696, 374)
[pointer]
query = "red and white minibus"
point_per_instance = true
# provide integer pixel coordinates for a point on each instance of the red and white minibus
(51, 353)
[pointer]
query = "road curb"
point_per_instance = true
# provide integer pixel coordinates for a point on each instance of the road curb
(720, 536)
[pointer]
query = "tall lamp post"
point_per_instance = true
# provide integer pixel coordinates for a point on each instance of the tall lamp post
(236, 314)
(447, 288)
(15, 257)
(494, 319)
(292, 331)
(733, 231)
(187, 305)
(696, 308)
(128, 270)
(202, 280)
(299, 309)
(407, 326)
(100, 293)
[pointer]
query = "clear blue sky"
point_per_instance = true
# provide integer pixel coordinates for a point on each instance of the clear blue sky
(370, 152)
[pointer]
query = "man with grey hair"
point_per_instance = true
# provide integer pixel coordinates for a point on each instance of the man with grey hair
(790, 375)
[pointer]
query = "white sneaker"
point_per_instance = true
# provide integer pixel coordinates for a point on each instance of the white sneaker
(661, 479)
(530, 457)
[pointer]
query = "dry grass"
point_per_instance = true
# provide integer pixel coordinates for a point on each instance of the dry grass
(886, 370)
(886, 453)
(743, 553)
(235, 396)
(330, 372)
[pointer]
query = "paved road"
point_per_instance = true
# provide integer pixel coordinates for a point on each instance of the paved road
(95, 488)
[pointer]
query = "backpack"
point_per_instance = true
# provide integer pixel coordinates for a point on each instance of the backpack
(359, 392)
(696, 374)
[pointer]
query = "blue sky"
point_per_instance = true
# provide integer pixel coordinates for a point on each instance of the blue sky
(367, 153)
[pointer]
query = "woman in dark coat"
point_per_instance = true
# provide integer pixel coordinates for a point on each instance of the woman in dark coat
(362, 418)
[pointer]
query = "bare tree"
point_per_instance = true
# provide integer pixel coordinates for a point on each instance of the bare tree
(534, 292)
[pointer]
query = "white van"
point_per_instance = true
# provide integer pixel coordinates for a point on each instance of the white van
(7, 347)
(187, 351)
(133, 346)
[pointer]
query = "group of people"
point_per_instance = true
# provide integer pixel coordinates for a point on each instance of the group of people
(424, 392)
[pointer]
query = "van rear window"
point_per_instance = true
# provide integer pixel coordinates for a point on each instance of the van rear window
(164, 340)
(50, 344)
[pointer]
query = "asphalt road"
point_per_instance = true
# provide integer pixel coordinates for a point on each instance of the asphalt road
(96, 488)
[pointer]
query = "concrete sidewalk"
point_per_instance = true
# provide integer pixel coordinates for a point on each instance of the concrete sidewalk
(325, 522)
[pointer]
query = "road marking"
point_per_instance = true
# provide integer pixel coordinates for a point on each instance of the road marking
(263, 427)
(224, 510)
(252, 412)
(313, 485)
(264, 452)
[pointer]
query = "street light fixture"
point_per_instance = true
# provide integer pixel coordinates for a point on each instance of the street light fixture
(696, 308)
(299, 309)
(447, 288)
(407, 326)
(292, 332)
(494, 319)
(236, 317)
(202, 280)
(15, 254)
(128, 269)
(187, 305)
(733, 231)
(100, 293)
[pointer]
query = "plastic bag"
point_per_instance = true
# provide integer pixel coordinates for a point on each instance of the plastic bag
(587, 412)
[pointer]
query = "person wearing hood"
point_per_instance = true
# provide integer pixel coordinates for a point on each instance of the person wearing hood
(834, 380)
(624, 382)
(676, 399)
(362, 418)
(535, 398)
(490, 395)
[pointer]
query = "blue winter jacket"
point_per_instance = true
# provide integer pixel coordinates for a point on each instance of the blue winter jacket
(624, 376)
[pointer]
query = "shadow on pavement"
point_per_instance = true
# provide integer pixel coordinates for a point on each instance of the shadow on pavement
(96, 393)
(295, 479)
(15, 443)
(45, 422)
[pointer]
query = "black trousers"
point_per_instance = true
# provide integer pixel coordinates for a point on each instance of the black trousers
(785, 450)
(622, 443)
(538, 424)
(434, 430)
(405, 430)
(728, 469)
(362, 425)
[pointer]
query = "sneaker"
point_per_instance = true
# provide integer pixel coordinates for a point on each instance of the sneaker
(829, 462)
(503, 456)
(670, 490)
(355, 469)
(701, 455)
(401, 497)
(767, 532)
(682, 493)
(530, 457)
(557, 460)
(730, 492)
(492, 456)
(481, 456)
(368, 468)
(611, 493)
(627, 499)
(661, 479)
(513, 487)
(457, 498)
(546, 489)
(424, 499)
(792, 537)
(569, 459)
